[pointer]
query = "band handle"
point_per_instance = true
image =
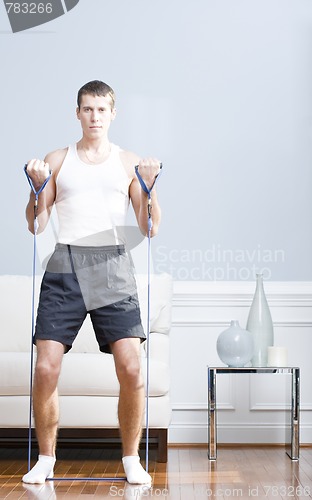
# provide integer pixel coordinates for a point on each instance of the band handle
(143, 185)
(36, 193)
(148, 191)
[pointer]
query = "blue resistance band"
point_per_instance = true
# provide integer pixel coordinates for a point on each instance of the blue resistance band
(148, 191)
(86, 479)
(36, 226)
(36, 193)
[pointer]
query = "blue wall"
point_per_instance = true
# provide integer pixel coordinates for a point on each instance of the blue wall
(221, 91)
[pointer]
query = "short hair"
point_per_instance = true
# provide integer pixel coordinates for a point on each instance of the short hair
(96, 87)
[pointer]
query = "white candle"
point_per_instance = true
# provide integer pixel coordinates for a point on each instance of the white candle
(277, 356)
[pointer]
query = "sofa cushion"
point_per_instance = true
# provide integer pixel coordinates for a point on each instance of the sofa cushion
(84, 412)
(16, 301)
(82, 374)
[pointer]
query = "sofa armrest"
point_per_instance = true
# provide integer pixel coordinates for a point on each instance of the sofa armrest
(161, 290)
(158, 347)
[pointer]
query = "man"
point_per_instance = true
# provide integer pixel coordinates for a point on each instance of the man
(91, 185)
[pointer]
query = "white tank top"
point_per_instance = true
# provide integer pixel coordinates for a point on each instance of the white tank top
(92, 200)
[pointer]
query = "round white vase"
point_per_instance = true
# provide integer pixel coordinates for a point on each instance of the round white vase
(235, 346)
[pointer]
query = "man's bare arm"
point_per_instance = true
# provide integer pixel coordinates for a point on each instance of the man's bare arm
(38, 171)
(148, 169)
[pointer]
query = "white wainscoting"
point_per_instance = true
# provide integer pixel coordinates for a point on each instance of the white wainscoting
(251, 408)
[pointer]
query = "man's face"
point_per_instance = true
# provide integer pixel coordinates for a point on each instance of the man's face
(95, 114)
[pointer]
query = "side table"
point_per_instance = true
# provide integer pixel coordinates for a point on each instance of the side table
(293, 452)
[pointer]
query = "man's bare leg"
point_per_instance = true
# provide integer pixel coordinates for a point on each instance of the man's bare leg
(131, 406)
(46, 408)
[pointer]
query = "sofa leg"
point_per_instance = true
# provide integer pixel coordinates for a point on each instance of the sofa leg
(162, 451)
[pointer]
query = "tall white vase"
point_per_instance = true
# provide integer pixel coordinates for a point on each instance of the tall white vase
(260, 324)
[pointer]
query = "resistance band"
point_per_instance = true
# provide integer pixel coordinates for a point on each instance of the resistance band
(36, 226)
(148, 191)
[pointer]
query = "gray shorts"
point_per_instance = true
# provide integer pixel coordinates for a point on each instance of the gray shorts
(98, 281)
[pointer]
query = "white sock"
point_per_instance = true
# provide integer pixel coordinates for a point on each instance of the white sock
(134, 470)
(42, 470)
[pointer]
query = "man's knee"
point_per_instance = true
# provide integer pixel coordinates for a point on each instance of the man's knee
(129, 374)
(47, 369)
(49, 360)
(47, 373)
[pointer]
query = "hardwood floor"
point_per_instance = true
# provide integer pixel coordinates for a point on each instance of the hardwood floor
(239, 473)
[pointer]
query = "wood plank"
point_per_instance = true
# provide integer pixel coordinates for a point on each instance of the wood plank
(240, 472)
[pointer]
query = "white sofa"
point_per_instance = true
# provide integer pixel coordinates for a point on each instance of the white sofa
(88, 386)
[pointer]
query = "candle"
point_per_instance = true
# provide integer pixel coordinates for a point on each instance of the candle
(277, 356)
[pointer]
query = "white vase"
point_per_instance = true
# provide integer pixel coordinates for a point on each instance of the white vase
(235, 346)
(260, 324)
